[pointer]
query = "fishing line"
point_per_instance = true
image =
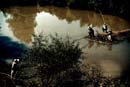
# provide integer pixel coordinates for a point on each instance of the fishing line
(100, 12)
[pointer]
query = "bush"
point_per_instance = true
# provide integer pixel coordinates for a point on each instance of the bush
(51, 62)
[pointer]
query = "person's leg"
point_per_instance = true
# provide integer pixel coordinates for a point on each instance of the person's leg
(11, 73)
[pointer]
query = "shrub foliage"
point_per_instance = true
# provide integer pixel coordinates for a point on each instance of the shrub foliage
(51, 62)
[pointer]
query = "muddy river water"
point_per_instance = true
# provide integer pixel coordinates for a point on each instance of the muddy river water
(19, 23)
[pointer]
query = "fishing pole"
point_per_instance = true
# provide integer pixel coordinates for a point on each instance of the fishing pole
(100, 12)
(101, 15)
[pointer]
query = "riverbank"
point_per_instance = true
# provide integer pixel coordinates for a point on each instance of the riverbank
(6, 81)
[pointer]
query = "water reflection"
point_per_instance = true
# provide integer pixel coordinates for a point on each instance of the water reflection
(10, 47)
(90, 44)
(9, 50)
(112, 61)
(25, 19)
(22, 23)
(4, 29)
(50, 20)
(88, 17)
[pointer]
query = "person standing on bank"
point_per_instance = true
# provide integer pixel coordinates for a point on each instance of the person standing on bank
(14, 67)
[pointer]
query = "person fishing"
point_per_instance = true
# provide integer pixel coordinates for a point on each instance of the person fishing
(91, 31)
(105, 28)
(14, 67)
